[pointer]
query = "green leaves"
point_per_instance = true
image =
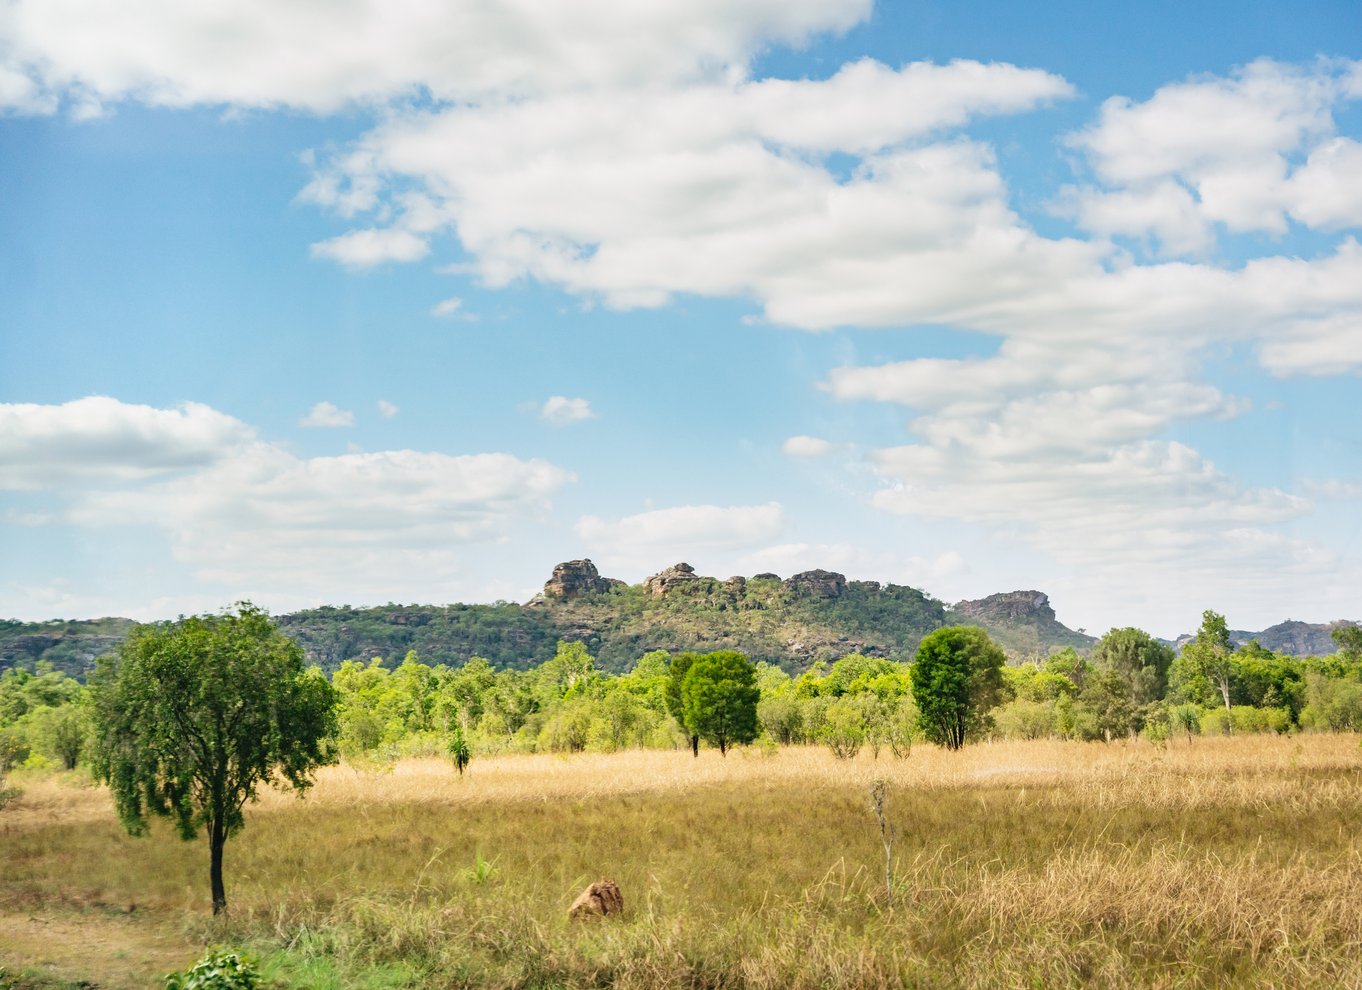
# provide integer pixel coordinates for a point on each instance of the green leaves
(719, 699)
(191, 717)
(957, 679)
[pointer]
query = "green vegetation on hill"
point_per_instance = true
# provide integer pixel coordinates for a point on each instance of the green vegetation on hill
(69, 646)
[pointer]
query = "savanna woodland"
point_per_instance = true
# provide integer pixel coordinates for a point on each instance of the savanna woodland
(1129, 815)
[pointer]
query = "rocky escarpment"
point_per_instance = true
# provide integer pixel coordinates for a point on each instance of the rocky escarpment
(677, 576)
(1023, 622)
(819, 583)
(574, 578)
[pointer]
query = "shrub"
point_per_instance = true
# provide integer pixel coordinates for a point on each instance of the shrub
(219, 970)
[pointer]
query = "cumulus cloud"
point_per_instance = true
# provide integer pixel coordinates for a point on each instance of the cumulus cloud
(672, 534)
(327, 415)
(367, 248)
(387, 409)
(559, 410)
(248, 515)
(267, 519)
(802, 446)
(1244, 152)
(320, 57)
(99, 439)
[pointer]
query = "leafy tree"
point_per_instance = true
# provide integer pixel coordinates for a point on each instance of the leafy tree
(570, 667)
(1348, 638)
(844, 727)
(191, 717)
(676, 703)
(1211, 654)
(957, 679)
(1139, 659)
(1266, 679)
(1110, 699)
(719, 698)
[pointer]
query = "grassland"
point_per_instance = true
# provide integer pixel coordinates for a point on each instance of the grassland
(1221, 862)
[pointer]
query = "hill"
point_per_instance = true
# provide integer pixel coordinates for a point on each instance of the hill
(810, 616)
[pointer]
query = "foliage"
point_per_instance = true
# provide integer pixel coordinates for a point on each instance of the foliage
(719, 699)
(957, 680)
(191, 717)
(1348, 638)
(1139, 659)
(1207, 662)
(1333, 704)
(219, 970)
(458, 749)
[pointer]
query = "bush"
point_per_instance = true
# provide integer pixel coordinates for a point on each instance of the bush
(844, 729)
(1245, 719)
(1026, 719)
(219, 970)
(1333, 704)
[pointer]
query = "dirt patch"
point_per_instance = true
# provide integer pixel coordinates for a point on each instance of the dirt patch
(107, 951)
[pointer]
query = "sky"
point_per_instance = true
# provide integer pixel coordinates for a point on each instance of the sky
(399, 301)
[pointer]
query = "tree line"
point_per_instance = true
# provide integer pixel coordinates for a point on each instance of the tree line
(187, 720)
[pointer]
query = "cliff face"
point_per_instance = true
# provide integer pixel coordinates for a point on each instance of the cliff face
(1023, 623)
(574, 578)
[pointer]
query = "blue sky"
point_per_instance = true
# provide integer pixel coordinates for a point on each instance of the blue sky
(408, 302)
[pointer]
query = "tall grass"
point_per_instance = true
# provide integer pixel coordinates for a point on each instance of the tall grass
(1223, 862)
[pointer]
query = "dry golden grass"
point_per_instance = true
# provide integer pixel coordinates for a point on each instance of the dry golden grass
(1220, 862)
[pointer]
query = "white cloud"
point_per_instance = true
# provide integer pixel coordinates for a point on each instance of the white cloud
(1324, 192)
(680, 533)
(99, 440)
(319, 57)
(447, 308)
(387, 409)
(559, 410)
(326, 415)
(802, 446)
(1223, 151)
(250, 518)
(358, 525)
(698, 190)
(367, 248)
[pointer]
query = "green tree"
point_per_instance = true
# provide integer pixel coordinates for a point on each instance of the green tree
(719, 699)
(1140, 660)
(1211, 655)
(957, 679)
(676, 703)
(1347, 637)
(191, 717)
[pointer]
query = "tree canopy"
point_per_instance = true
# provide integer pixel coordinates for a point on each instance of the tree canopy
(957, 679)
(191, 717)
(719, 699)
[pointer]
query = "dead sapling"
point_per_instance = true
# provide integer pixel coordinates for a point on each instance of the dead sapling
(878, 794)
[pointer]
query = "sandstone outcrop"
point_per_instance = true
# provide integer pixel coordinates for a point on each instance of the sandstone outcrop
(601, 898)
(673, 577)
(573, 578)
(818, 583)
(1011, 606)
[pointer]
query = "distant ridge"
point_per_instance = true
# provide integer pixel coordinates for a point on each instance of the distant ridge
(796, 621)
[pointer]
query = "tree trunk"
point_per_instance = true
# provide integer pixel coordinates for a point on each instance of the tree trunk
(723, 747)
(217, 838)
(695, 746)
(1224, 683)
